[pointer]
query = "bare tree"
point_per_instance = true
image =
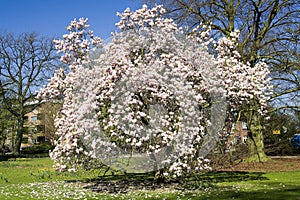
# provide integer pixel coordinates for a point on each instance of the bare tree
(26, 63)
(270, 31)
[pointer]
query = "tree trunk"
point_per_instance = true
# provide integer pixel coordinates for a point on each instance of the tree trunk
(19, 137)
(2, 140)
(255, 136)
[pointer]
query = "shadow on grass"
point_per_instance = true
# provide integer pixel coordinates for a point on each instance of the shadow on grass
(232, 176)
(208, 179)
(123, 183)
(135, 181)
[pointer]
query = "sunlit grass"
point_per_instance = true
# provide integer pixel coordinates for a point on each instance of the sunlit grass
(31, 170)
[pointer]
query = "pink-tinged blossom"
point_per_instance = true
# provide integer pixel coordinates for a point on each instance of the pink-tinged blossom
(110, 99)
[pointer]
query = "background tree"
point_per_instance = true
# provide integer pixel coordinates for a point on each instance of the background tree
(26, 62)
(6, 125)
(269, 31)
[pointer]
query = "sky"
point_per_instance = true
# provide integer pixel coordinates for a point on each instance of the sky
(50, 17)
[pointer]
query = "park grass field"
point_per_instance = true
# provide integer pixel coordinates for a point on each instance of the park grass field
(34, 178)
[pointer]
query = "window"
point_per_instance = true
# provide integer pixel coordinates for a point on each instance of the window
(25, 118)
(33, 118)
(244, 125)
(41, 139)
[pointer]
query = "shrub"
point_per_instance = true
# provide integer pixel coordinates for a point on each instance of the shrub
(37, 149)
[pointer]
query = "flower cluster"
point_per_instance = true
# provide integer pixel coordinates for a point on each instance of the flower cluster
(147, 92)
(145, 17)
(241, 81)
(75, 46)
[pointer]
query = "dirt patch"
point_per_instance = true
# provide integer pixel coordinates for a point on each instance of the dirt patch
(273, 165)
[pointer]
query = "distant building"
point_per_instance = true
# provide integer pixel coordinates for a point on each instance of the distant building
(33, 126)
(237, 133)
(38, 125)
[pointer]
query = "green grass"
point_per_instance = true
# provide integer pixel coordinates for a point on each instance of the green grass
(35, 179)
(276, 185)
(32, 170)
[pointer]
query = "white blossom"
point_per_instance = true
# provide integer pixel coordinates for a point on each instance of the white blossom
(145, 91)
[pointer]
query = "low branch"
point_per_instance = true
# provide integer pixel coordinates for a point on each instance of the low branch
(284, 107)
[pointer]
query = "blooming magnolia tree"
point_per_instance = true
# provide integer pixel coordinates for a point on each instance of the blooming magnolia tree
(153, 93)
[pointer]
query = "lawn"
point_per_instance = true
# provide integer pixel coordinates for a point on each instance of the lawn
(35, 179)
